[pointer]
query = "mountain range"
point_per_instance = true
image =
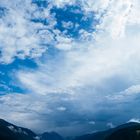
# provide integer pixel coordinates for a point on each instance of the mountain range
(128, 131)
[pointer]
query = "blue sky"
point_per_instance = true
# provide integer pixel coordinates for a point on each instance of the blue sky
(69, 66)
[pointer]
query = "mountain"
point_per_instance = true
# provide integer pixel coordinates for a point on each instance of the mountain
(128, 131)
(131, 132)
(9, 131)
(51, 136)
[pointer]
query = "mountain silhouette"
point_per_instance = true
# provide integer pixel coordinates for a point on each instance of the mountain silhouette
(128, 131)
(9, 131)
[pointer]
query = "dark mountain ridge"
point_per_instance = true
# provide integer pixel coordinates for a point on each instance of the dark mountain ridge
(9, 131)
(108, 134)
(128, 131)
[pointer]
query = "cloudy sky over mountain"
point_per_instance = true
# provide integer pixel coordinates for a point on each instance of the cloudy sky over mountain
(70, 66)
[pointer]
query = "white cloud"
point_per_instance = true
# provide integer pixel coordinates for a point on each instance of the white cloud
(18, 36)
(115, 19)
(134, 120)
(61, 108)
(62, 3)
(92, 122)
(126, 95)
(80, 68)
(64, 43)
(67, 25)
(111, 125)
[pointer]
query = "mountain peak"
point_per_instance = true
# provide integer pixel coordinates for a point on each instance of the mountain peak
(51, 136)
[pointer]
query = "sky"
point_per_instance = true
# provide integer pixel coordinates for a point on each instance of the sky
(70, 66)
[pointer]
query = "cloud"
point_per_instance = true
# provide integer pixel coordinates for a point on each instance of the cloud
(134, 120)
(125, 95)
(32, 31)
(92, 122)
(75, 69)
(110, 125)
(17, 33)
